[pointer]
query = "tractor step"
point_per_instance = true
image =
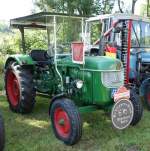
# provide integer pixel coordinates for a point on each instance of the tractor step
(89, 108)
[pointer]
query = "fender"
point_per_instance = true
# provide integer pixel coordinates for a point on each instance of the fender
(58, 96)
(143, 85)
(20, 59)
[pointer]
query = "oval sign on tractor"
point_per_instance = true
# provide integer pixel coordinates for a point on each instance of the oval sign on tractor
(122, 114)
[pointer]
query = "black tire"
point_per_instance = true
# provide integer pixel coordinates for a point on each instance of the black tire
(138, 108)
(2, 134)
(69, 108)
(25, 88)
(147, 97)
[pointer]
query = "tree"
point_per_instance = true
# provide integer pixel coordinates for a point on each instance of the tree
(81, 7)
(133, 5)
(121, 5)
(148, 8)
(105, 6)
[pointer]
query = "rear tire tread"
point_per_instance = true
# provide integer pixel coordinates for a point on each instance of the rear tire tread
(138, 108)
(27, 90)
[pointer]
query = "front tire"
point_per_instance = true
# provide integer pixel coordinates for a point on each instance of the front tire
(19, 87)
(137, 106)
(66, 121)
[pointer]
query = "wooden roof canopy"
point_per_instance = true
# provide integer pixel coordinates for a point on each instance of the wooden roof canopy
(43, 19)
(38, 20)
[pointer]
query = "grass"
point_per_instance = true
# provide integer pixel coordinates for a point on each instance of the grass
(1, 82)
(2, 62)
(33, 132)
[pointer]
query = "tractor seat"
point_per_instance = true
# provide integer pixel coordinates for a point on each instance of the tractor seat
(39, 55)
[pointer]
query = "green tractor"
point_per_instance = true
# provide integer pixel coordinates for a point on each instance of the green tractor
(73, 79)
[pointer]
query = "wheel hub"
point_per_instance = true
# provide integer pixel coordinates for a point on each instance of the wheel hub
(122, 114)
(62, 122)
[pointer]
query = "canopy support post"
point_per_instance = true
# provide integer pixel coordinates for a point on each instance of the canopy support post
(23, 39)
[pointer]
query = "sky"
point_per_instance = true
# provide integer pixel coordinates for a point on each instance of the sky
(138, 4)
(15, 8)
(128, 5)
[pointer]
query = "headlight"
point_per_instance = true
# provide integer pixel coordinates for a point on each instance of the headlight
(79, 84)
(112, 79)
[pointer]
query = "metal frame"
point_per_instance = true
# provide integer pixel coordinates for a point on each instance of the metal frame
(148, 8)
(55, 53)
(42, 21)
(128, 51)
(118, 16)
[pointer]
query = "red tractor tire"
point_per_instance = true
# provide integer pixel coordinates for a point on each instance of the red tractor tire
(19, 88)
(66, 121)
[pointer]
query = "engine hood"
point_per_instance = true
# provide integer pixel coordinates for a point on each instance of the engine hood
(99, 63)
(102, 63)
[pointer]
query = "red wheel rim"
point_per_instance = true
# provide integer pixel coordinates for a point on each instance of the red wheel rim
(13, 90)
(62, 122)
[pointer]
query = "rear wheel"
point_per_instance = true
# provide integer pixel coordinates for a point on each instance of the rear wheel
(19, 87)
(66, 121)
(137, 106)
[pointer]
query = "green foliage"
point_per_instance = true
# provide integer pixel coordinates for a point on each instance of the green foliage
(69, 30)
(35, 39)
(2, 61)
(11, 43)
(96, 29)
(81, 7)
(104, 6)
(1, 65)
(1, 81)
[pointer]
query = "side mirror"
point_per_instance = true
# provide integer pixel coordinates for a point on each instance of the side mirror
(77, 52)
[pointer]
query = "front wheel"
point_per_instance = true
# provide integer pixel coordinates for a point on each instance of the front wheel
(137, 106)
(66, 121)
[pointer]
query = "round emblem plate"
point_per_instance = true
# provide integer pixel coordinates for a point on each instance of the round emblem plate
(122, 114)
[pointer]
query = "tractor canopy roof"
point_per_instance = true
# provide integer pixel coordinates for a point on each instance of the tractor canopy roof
(39, 20)
(119, 16)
